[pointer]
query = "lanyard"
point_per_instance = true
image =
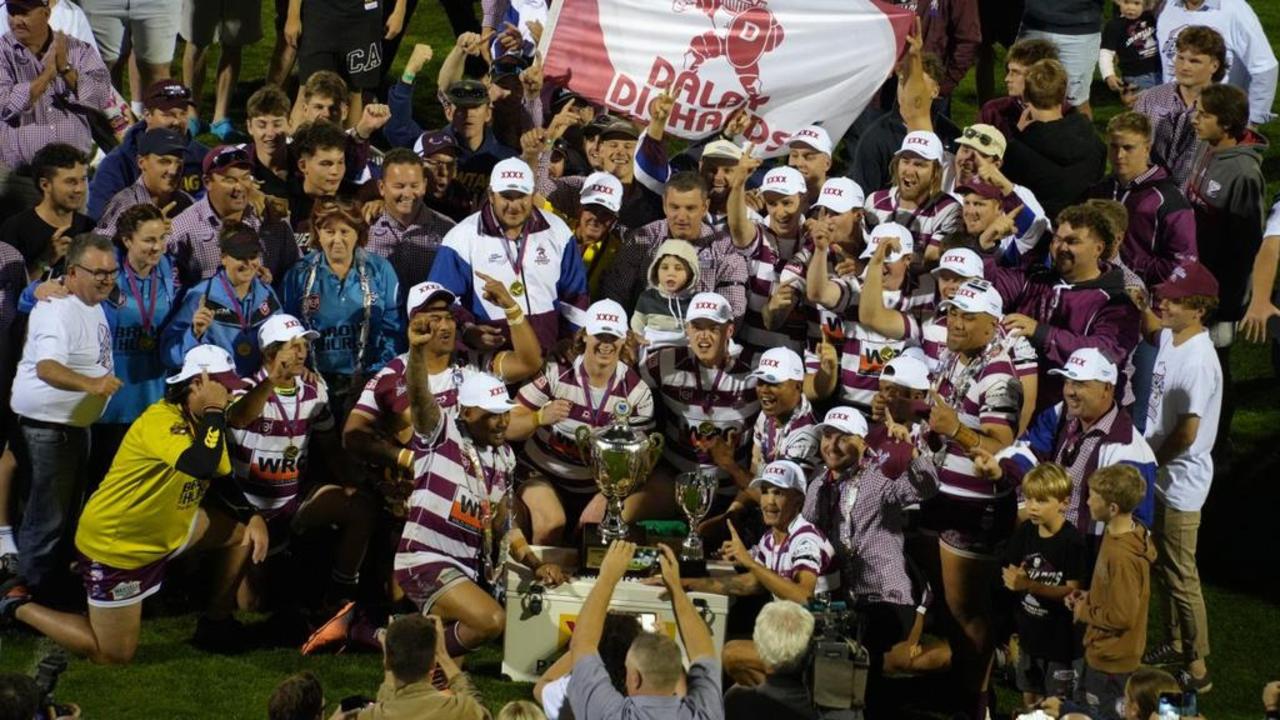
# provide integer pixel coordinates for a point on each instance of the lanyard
(517, 260)
(586, 391)
(291, 425)
(148, 313)
(235, 302)
(707, 398)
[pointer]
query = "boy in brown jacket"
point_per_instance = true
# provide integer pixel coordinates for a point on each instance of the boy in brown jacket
(1115, 606)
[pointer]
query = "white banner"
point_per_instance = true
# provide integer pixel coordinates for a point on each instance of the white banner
(791, 63)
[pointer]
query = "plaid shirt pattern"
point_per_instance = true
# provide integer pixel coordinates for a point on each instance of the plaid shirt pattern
(721, 267)
(193, 242)
(409, 248)
(58, 115)
(1173, 134)
(135, 194)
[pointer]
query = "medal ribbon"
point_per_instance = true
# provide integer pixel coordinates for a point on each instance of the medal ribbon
(586, 391)
(235, 302)
(292, 425)
(517, 260)
(148, 313)
(708, 399)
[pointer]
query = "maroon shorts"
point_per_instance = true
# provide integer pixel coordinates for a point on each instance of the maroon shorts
(109, 587)
(972, 527)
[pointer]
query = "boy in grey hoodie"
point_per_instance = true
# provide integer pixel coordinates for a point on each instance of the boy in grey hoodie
(660, 309)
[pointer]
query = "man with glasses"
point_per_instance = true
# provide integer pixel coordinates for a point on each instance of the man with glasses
(63, 383)
(164, 105)
(439, 151)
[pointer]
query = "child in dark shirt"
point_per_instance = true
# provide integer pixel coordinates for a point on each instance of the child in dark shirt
(1045, 561)
(1130, 58)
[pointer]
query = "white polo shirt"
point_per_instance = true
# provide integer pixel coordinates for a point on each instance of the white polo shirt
(77, 336)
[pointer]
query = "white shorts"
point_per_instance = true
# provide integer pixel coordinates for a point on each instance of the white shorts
(152, 25)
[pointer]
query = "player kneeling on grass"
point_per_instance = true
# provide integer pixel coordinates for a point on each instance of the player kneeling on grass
(793, 560)
(151, 507)
(449, 558)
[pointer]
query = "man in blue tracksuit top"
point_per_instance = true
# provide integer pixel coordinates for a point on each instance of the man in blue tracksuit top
(164, 106)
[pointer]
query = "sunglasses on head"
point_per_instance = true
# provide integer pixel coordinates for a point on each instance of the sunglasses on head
(174, 91)
(469, 93)
(983, 139)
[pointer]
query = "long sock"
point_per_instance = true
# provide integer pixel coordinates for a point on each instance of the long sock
(7, 545)
(452, 643)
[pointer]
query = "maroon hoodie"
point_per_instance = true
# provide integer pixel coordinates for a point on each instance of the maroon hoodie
(1162, 227)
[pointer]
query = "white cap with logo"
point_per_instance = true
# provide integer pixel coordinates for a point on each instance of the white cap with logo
(961, 261)
(847, 420)
(815, 136)
(785, 474)
(606, 317)
(204, 359)
(784, 181)
(709, 306)
(922, 143)
(1088, 364)
(423, 293)
(906, 243)
(511, 175)
(840, 195)
(283, 328)
(779, 365)
(484, 391)
(906, 371)
(721, 150)
(603, 189)
(976, 296)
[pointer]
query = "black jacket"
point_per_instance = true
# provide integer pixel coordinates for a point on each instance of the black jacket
(1058, 160)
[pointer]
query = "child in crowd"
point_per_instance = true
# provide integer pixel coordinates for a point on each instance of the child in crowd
(1045, 562)
(660, 309)
(1114, 609)
(1129, 59)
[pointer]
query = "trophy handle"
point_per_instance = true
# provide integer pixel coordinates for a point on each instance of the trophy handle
(582, 437)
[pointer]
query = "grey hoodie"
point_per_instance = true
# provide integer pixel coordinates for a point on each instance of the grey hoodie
(1227, 192)
(656, 310)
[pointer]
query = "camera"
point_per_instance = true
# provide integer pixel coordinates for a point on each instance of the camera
(840, 664)
(48, 671)
(1171, 706)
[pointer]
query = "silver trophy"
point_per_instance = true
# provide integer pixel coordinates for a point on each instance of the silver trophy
(620, 460)
(694, 493)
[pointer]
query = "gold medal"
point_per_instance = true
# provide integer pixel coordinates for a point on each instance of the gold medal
(291, 452)
(517, 288)
(707, 429)
(244, 349)
(147, 342)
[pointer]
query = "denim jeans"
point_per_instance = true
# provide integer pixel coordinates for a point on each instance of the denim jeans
(57, 458)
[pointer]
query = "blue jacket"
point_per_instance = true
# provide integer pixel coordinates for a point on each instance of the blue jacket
(119, 169)
(335, 309)
(225, 332)
(140, 368)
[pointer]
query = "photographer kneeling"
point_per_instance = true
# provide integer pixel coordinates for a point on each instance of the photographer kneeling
(782, 635)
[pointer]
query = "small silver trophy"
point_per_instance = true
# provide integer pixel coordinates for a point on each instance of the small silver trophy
(694, 493)
(620, 459)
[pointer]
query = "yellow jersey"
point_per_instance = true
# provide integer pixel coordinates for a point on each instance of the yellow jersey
(145, 506)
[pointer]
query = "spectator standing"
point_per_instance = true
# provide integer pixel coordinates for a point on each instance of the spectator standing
(152, 30)
(407, 233)
(440, 154)
(64, 380)
(160, 153)
(1058, 157)
(1251, 63)
(164, 106)
(319, 174)
(1003, 113)
(1114, 608)
(782, 633)
(42, 233)
(1186, 402)
(232, 25)
(654, 669)
(13, 278)
(1226, 191)
(267, 120)
(1075, 26)
(1201, 61)
(809, 153)
(1130, 58)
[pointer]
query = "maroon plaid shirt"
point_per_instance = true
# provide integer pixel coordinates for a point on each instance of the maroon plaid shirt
(193, 242)
(1173, 135)
(721, 267)
(409, 248)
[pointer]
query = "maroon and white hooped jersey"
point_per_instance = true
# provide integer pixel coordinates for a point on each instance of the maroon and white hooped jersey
(992, 395)
(765, 264)
(387, 394)
(805, 548)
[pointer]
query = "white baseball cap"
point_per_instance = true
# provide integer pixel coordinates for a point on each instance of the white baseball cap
(709, 306)
(815, 136)
(721, 150)
(961, 261)
(1088, 364)
(283, 328)
(784, 181)
(845, 419)
(423, 293)
(511, 175)
(779, 365)
(906, 243)
(603, 189)
(976, 296)
(784, 474)
(205, 359)
(906, 371)
(922, 143)
(484, 391)
(607, 317)
(840, 195)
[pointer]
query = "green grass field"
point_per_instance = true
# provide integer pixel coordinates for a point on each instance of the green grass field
(169, 679)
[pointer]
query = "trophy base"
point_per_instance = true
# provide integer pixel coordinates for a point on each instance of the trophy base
(593, 548)
(693, 568)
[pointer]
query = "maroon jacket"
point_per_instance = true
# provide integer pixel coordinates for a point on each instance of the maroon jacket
(952, 31)
(1162, 227)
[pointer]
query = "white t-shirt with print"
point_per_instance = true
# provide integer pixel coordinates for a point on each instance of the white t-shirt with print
(75, 335)
(1186, 380)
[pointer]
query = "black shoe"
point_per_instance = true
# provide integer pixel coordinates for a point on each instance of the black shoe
(1165, 654)
(1189, 682)
(13, 595)
(225, 637)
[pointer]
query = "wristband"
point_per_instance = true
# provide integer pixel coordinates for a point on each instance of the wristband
(400, 462)
(513, 312)
(537, 417)
(407, 77)
(517, 320)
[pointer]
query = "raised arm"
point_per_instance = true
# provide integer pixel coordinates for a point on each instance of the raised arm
(423, 409)
(916, 105)
(698, 643)
(871, 311)
(586, 634)
(819, 288)
(742, 228)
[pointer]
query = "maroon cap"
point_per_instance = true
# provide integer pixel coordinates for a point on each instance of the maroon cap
(166, 95)
(981, 189)
(436, 141)
(224, 157)
(1187, 280)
